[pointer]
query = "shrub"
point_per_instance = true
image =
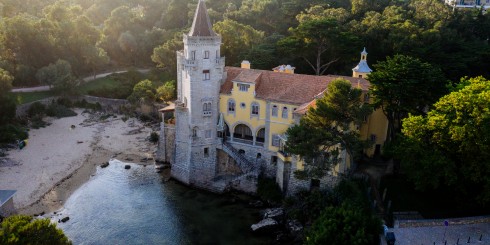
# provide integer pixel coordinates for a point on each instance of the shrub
(59, 111)
(37, 109)
(154, 137)
(11, 133)
(268, 190)
(22, 229)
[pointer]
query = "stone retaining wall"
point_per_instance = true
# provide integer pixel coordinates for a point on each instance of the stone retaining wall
(440, 222)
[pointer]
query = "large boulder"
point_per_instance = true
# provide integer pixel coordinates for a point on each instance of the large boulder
(265, 225)
(294, 226)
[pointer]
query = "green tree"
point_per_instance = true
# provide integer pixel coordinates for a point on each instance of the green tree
(7, 104)
(346, 224)
(166, 92)
(164, 55)
(320, 43)
(451, 145)
(236, 38)
(59, 75)
(143, 92)
(403, 85)
(330, 124)
(21, 229)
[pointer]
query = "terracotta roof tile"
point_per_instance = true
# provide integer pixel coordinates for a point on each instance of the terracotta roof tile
(295, 89)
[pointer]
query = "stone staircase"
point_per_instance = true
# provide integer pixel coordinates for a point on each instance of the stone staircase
(247, 167)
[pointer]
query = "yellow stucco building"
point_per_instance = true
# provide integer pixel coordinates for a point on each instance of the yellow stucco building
(230, 122)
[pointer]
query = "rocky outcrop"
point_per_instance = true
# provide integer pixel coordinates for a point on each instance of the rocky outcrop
(274, 213)
(265, 225)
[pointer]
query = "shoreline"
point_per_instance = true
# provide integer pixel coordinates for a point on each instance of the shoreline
(57, 161)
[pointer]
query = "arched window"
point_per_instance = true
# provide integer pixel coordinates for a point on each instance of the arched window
(274, 110)
(242, 131)
(194, 132)
(255, 109)
(285, 112)
(260, 135)
(206, 108)
(231, 106)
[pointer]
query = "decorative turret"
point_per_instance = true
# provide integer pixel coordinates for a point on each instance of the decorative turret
(201, 26)
(362, 69)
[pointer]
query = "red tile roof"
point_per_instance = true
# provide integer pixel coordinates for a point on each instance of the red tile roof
(297, 89)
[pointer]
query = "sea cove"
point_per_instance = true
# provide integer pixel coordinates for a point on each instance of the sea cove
(140, 206)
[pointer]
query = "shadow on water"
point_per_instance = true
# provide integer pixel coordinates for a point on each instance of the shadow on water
(137, 206)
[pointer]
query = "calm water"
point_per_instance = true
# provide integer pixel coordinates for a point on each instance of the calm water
(137, 206)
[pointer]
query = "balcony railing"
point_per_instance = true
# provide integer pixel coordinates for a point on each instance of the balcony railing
(190, 63)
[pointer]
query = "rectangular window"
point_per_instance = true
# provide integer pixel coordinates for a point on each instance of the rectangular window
(206, 152)
(231, 106)
(206, 109)
(193, 55)
(207, 75)
(255, 110)
(285, 112)
(217, 54)
(243, 87)
(206, 54)
(275, 140)
(274, 111)
(208, 134)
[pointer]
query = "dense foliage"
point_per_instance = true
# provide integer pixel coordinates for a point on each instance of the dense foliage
(21, 229)
(326, 126)
(402, 85)
(320, 36)
(340, 216)
(450, 146)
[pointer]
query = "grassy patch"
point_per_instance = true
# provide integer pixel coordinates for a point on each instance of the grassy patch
(431, 204)
(28, 97)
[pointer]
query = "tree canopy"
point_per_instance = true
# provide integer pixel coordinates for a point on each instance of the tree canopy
(403, 85)
(22, 229)
(450, 146)
(328, 128)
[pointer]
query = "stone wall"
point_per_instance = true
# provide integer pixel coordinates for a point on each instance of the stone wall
(21, 110)
(166, 144)
(113, 105)
(7, 208)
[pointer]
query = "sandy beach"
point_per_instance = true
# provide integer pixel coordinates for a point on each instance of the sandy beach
(59, 158)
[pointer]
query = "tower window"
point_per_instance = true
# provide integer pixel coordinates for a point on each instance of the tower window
(206, 108)
(206, 152)
(193, 55)
(207, 75)
(217, 54)
(206, 54)
(274, 110)
(194, 132)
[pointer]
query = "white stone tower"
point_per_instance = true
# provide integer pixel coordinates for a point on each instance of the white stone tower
(362, 69)
(199, 73)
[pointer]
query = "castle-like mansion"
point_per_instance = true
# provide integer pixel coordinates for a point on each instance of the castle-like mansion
(229, 123)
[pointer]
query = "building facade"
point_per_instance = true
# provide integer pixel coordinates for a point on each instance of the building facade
(485, 4)
(230, 122)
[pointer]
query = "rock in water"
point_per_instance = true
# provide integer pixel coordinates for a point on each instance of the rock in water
(65, 219)
(127, 167)
(274, 213)
(264, 224)
(104, 165)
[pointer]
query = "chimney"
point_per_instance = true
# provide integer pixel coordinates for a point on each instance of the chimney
(246, 64)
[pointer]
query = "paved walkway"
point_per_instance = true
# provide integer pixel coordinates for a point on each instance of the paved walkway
(470, 230)
(86, 79)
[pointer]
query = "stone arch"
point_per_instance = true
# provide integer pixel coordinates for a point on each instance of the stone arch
(242, 131)
(260, 135)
